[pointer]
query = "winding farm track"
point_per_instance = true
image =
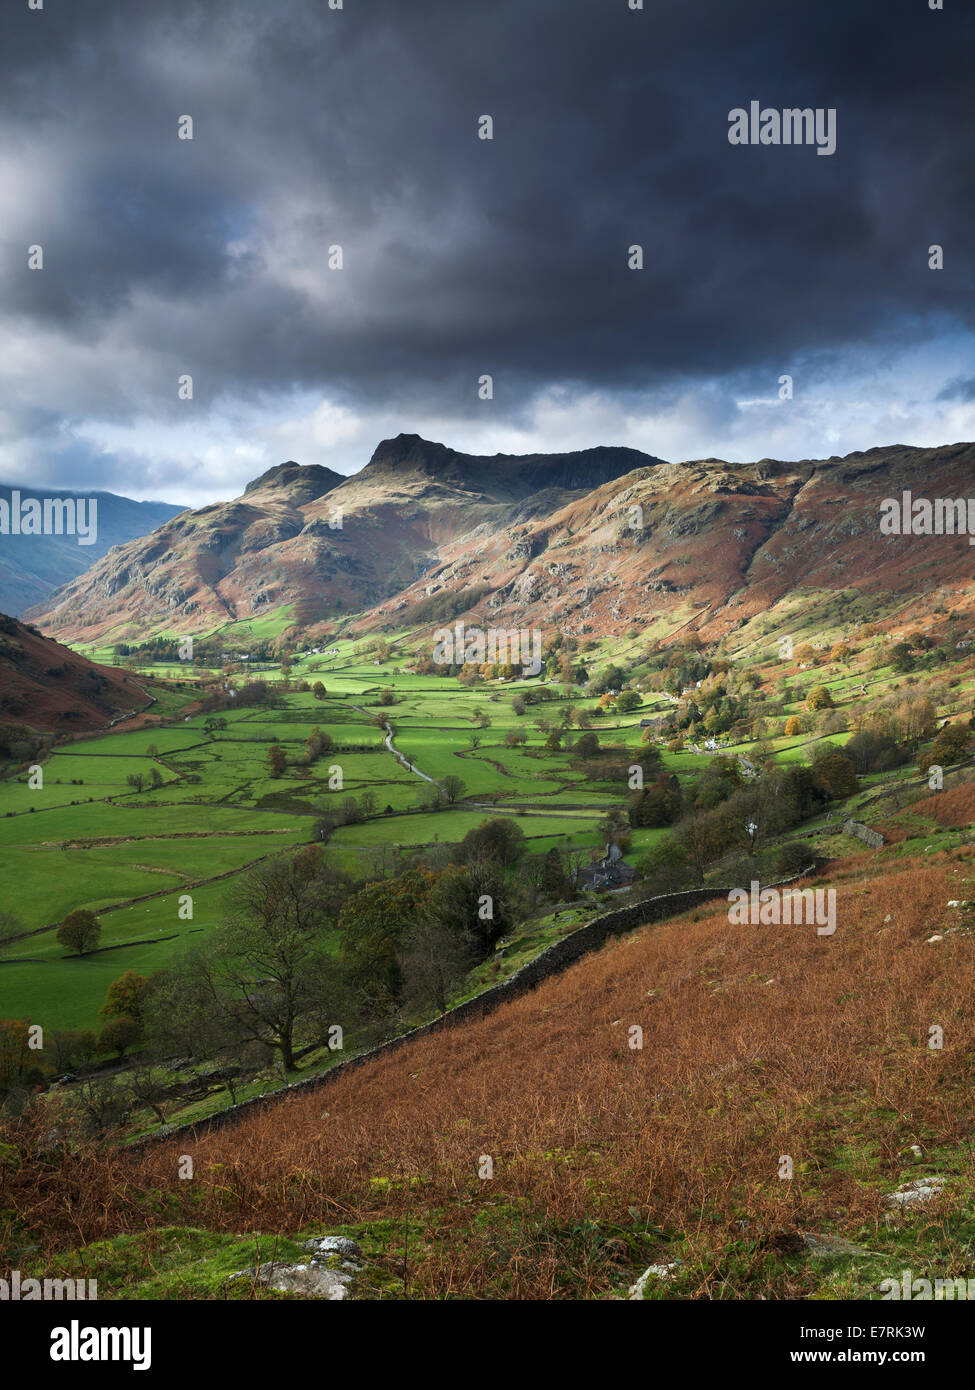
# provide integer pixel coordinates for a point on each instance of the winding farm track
(404, 761)
(499, 808)
(401, 757)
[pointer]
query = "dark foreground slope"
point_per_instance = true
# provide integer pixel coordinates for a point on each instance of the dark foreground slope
(49, 687)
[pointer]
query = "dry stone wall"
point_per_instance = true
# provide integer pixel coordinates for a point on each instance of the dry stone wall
(856, 828)
(552, 961)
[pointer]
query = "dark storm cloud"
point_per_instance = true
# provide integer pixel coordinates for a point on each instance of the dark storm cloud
(358, 127)
(960, 390)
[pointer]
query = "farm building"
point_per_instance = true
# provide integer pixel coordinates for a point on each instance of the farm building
(609, 872)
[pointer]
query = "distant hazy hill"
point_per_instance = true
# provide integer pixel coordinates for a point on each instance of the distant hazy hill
(32, 567)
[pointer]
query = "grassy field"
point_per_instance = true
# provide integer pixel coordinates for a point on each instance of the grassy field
(88, 838)
(209, 805)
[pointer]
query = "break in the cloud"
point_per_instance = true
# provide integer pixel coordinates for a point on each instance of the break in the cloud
(315, 127)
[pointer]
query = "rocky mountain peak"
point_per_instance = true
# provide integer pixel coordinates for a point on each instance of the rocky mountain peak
(302, 483)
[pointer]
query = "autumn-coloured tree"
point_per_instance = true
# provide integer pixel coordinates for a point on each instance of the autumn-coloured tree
(587, 745)
(835, 775)
(125, 996)
(14, 1049)
(819, 698)
(119, 1034)
(950, 746)
(79, 931)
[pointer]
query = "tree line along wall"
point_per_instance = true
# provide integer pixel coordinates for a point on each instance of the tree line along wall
(552, 961)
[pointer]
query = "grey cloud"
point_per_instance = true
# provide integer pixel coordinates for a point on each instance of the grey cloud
(358, 127)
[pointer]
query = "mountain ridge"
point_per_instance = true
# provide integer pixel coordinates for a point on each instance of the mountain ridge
(703, 544)
(288, 539)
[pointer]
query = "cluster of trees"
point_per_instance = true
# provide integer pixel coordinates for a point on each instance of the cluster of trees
(316, 745)
(269, 976)
(888, 733)
(28, 1062)
(953, 743)
(676, 668)
(439, 609)
(659, 803)
(155, 649)
(207, 651)
(410, 939)
(19, 1067)
(447, 792)
(696, 718)
(724, 816)
(615, 764)
(350, 811)
(921, 650)
(532, 695)
(472, 674)
(303, 955)
(611, 677)
(621, 703)
(562, 660)
(258, 694)
(252, 694)
(139, 780)
(18, 744)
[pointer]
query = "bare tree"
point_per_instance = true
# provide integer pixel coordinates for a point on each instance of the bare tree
(147, 1089)
(265, 976)
(435, 959)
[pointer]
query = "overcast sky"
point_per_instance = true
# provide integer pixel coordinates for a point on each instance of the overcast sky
(358, 127)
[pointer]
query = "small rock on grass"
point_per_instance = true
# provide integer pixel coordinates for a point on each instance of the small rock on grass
(333, 1245)
(319, 1278)
(914, 1193)
(310, 1280)
(639, 1289)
